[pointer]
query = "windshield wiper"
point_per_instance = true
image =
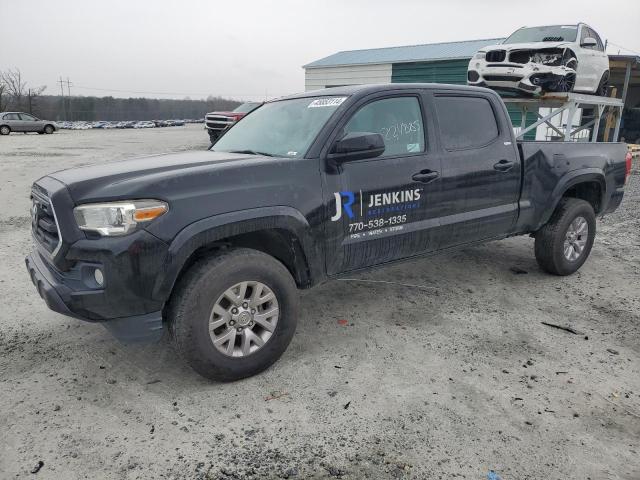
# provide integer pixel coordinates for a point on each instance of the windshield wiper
(252, 152)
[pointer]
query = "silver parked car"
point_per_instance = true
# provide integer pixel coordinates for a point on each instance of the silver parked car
(24, 122)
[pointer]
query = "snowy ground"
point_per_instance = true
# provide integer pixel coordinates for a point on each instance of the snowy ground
(448, 381)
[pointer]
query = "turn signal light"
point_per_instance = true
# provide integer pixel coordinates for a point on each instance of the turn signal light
(146, 214)
(627, 173)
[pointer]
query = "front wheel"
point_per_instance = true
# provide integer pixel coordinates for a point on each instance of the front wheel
(48, 129)
(233, 315)
(564, 243)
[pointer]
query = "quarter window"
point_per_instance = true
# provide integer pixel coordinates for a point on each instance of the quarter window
(398, 120)
(465, 122)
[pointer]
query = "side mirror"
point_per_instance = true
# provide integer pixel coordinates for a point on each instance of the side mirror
(357, 146)
(589, 42)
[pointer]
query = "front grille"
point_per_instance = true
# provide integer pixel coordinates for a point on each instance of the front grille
(502, 78)
(218, 122)
(520, 56)
(496, 56)
(44, 225)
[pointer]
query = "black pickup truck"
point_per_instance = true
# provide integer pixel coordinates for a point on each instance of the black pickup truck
(212, 245)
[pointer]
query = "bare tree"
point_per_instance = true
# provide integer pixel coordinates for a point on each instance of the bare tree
(15, 86)
(3, 88)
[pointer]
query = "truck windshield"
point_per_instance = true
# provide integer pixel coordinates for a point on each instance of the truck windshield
(553, 33)
(283, 128)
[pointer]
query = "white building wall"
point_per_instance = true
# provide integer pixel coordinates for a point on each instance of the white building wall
(322, 77)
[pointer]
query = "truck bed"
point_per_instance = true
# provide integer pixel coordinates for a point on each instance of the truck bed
(550, 167)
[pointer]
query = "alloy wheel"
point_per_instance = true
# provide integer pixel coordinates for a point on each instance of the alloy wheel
(243, 319)
(576, 239)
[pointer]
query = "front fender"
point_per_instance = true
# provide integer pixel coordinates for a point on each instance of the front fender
(569, 180)
(209, 230)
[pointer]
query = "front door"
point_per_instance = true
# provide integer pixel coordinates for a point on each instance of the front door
(380, 209)
(481, 168)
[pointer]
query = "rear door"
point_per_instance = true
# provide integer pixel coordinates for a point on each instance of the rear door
(385, 208)
(481, 167)
(14, 122)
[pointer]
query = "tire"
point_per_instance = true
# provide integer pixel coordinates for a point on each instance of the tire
(5, 130)
(213, 136)
(603, 86)
(48, 129)
(203, 287)
(550, 239)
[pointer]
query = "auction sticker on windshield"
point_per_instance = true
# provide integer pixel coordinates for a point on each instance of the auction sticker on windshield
(327, 102)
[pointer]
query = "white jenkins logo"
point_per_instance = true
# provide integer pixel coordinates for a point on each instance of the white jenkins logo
(345, 200)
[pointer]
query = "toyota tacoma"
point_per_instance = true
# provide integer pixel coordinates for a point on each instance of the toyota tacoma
(212, 245)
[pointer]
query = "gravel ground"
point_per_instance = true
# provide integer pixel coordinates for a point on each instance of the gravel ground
(451, 379)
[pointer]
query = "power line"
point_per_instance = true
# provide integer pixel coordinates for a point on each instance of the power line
(624, 48)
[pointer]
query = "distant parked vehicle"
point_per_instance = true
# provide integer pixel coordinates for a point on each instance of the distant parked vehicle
(24, 122)
(145, 124)
(219, 122)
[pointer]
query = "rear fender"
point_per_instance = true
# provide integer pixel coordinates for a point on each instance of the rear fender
(569, 180)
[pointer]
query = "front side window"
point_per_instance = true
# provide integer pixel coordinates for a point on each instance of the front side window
(596, 37)
(587, 33)
(26, 117)
(398, 120)
(465, 122)
(284, 128)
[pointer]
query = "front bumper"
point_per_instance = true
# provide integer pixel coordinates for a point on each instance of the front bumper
(531, 78)
(125, 303)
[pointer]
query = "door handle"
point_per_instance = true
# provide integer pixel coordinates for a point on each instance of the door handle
(503, 165)
(425, 176)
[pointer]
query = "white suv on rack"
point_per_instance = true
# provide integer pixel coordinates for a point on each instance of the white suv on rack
(535, 60)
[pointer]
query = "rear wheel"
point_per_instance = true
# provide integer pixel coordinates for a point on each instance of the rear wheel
(234, 314)
(603, 86)
(5, 130)
(564, 243)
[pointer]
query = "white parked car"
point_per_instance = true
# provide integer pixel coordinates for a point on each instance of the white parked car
(556, 58)
(144, 125)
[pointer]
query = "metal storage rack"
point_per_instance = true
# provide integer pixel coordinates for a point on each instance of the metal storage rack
(609, 107)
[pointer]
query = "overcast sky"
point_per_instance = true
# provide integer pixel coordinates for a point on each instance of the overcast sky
(249, 49)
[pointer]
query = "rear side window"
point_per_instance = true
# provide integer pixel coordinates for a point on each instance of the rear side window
(465, 122)
(11, 116)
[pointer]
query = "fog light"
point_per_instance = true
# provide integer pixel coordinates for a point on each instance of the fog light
(99, 277)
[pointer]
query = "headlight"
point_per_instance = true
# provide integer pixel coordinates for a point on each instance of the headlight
(117, 218)
(480, 55)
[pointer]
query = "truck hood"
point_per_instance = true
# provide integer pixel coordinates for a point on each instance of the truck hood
(129, 178)
(227, 114)
(199, 184)
(525, 46)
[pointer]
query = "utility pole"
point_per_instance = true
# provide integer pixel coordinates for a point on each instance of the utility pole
(69, 97)
(64, 106)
